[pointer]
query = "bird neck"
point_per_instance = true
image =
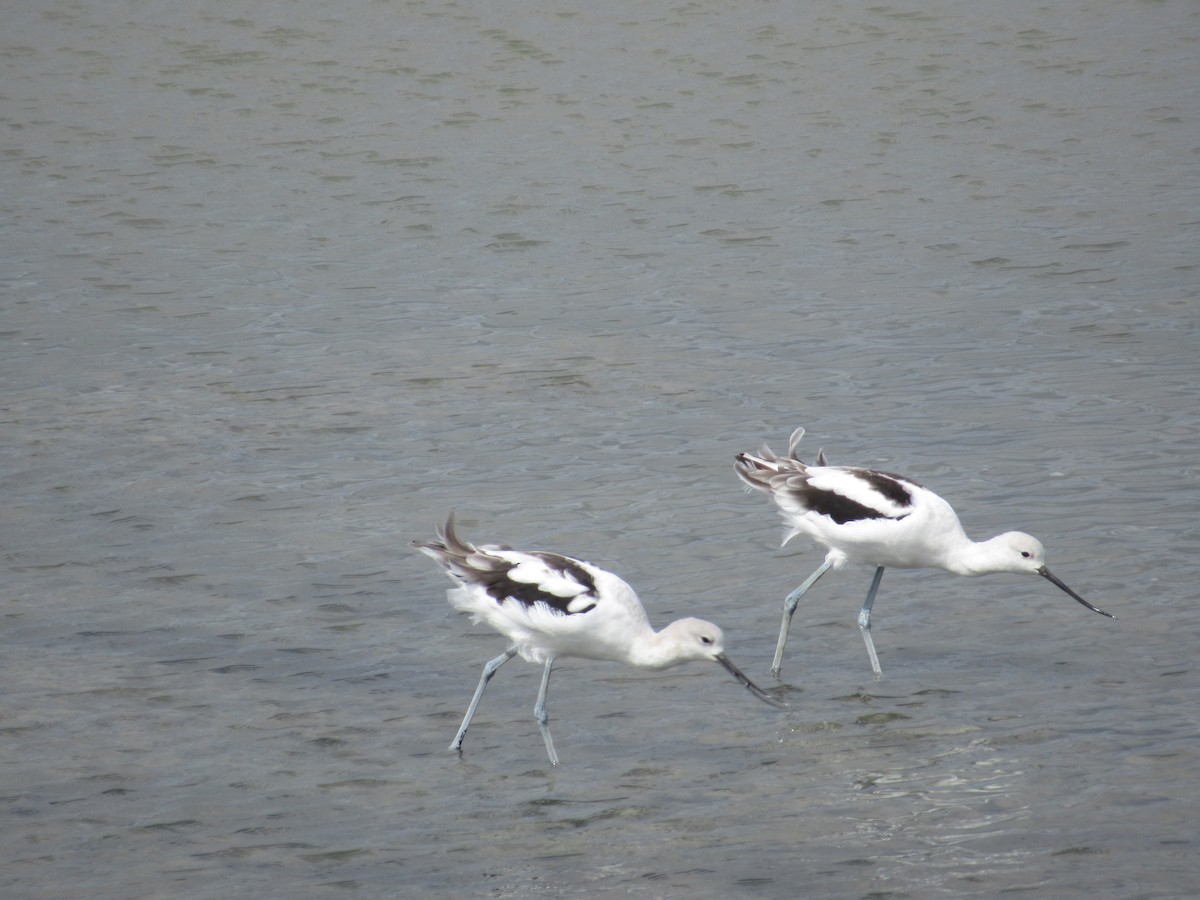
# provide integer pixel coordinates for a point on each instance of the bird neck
(653, 652)
(974, 557)
(676, 643)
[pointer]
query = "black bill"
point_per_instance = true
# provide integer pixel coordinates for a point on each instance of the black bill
(750, 685)
(1057, 582)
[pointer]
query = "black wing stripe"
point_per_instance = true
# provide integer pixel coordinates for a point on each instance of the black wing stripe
(843, 509)
(500, 587)
(888, 485)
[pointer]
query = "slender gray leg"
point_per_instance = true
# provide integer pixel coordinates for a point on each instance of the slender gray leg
(864, 621)
(789, 609)
(539, 713)
(488, 671)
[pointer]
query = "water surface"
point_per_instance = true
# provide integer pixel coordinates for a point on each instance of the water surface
(284, 285)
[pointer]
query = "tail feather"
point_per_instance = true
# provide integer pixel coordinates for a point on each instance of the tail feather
(462, 560)
(759, 471)
(794, 440)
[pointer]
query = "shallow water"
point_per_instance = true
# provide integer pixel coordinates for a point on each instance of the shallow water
(286, 285)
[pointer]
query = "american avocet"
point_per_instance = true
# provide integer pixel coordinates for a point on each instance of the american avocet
(550, 605)
(865, 516)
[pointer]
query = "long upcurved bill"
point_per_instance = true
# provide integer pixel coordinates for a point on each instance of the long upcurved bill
(750, 685)
(1057, 582)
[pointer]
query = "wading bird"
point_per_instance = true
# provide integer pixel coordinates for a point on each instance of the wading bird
(881, 519)
(549, 605)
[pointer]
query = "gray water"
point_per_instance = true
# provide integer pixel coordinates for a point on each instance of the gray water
(284, 283)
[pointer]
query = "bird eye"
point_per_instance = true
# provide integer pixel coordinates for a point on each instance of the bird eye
(705, 639)
(1026, 554)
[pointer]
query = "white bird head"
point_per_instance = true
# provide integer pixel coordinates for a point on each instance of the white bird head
(1016, 551)
(689, 639)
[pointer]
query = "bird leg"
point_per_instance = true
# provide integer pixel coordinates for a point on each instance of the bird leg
(488, 671)
(539, 713)
(864, 621)
(789, 609)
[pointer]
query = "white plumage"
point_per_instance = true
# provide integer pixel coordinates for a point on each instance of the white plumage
(549, 605)
(881, 519)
